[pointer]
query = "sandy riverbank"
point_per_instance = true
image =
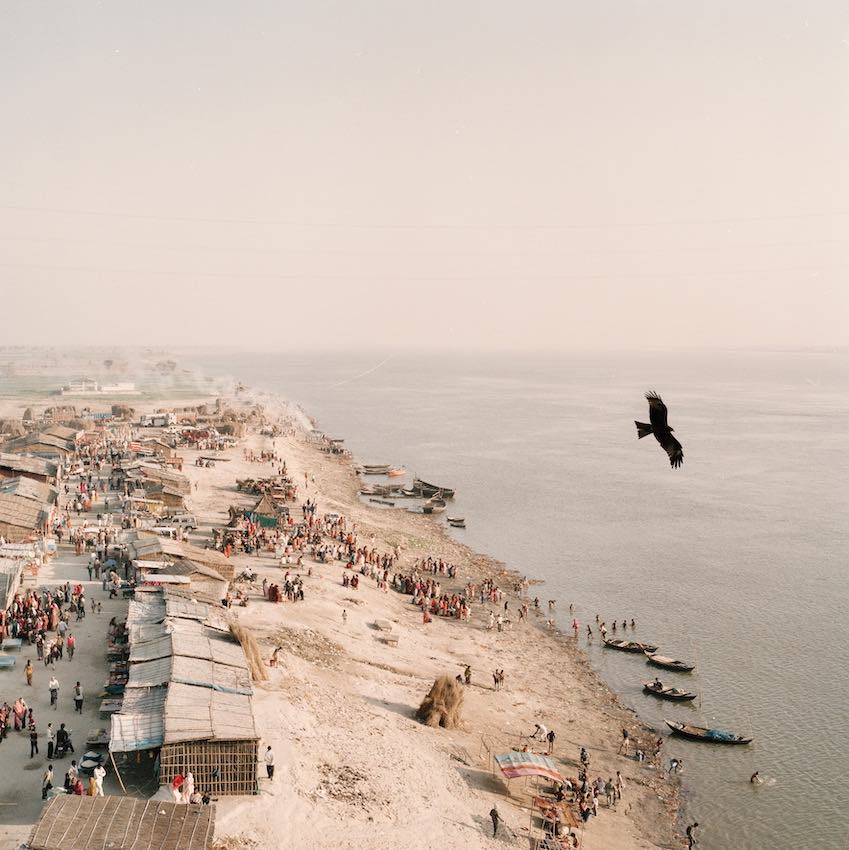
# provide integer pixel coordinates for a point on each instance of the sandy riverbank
(354, 769)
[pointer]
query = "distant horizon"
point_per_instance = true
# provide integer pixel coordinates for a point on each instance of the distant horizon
(165, 348)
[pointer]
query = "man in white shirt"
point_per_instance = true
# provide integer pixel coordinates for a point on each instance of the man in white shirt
(99, 774)
(269, 763)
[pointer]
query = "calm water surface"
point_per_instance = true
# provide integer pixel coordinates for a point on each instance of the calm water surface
(736, 561)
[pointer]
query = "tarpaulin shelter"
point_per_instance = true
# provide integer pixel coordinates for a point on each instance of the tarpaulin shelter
(515, 764)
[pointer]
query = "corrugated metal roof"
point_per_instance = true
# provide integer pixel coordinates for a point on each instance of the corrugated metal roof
(10, 580)
(140, 632)
(62, 431)
(148, 611)
(197, 714)
(208, 694)
(22, 512)
(151, 649)
(149, 674)
(22, 444)
(26, 463)
(28, 488)
(141, 722)
(208, 674)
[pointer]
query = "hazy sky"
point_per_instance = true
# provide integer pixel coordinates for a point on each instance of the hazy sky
(532, 174)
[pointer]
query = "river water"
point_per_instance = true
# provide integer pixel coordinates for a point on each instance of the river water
(736, 561)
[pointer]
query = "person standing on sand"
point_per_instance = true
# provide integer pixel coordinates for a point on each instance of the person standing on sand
(78, 698)
(550, 737)
(269, 762)
(496, 819)
(28, 672)
(625, 740)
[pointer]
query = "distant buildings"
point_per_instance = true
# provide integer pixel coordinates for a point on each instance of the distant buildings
(88, 386)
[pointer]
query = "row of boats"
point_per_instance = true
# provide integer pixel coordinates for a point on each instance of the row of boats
(658, 689)
(434, 495)
(417, 490)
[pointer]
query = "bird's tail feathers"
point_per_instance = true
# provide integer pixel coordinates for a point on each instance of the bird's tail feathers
(643, 430)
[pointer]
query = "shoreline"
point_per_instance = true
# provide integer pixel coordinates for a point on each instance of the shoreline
(486, 564)
(341, 696)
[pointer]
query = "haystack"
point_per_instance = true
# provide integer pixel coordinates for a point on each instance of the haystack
(443, 706)
(251, 649)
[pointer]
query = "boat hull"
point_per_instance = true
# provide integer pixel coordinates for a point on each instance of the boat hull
(679, 666)
(629, 646)
(698, 733)
(681, 696)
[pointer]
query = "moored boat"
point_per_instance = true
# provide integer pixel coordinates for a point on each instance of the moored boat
(426, 490)
(659, 690)
(668, 663)
(396, 471)
(376, 468)
(702, 733)
(628, 645)
(434, 506)
(456, 521)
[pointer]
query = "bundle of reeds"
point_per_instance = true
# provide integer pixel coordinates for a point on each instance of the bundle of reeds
(251, 649)
(443, 706)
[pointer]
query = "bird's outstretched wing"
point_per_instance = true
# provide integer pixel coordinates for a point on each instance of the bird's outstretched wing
(673, 448)
(657, 411)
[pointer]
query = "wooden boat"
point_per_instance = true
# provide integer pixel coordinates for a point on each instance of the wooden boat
(710, 736)
(376, 469)
(667, 693)
(629, 645)
(383, 502)
(427, 490)
(456, 521)
(434, 506)
(378, 490)
(396, 471)
(669, 663)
